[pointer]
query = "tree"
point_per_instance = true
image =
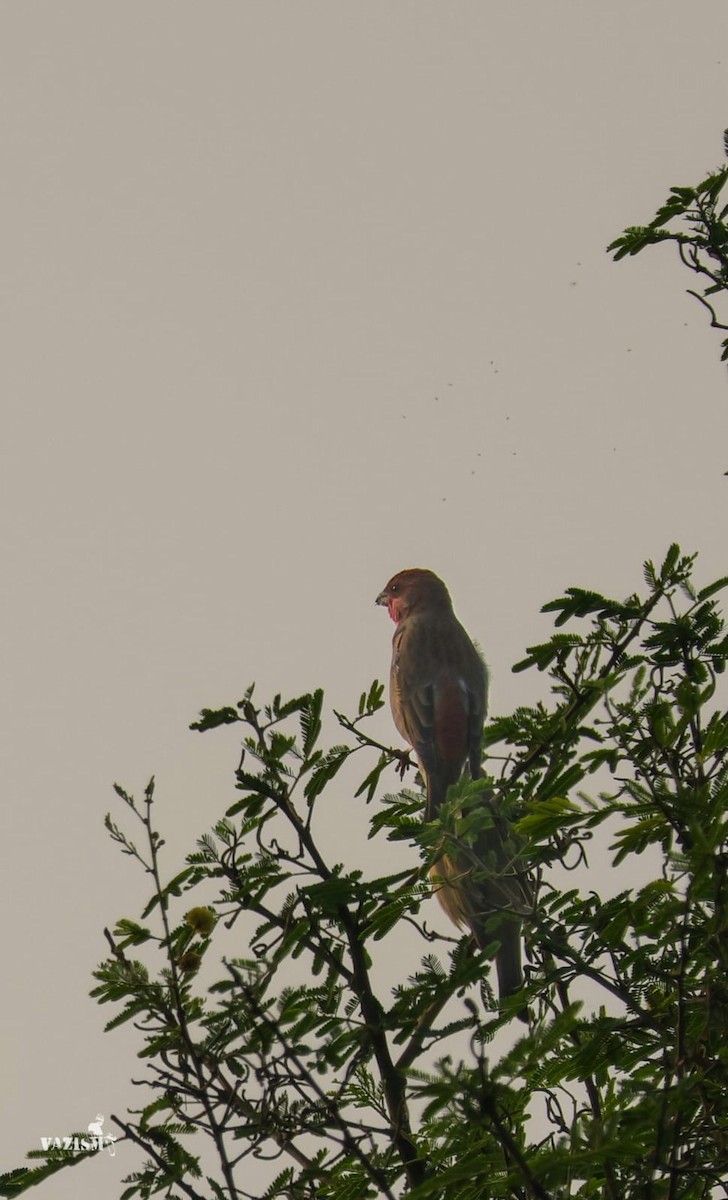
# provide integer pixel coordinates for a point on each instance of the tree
(695, 219)
(310, 1051)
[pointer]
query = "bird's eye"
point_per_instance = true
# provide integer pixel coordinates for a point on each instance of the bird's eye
(393, 587)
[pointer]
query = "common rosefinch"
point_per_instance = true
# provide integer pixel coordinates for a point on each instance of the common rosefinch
(438, 692)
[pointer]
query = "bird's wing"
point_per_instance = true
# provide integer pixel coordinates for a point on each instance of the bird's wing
(413, 700)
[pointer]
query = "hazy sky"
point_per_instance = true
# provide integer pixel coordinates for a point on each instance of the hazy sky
(295, 295)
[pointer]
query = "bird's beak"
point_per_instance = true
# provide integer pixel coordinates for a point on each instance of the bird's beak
(382, 598)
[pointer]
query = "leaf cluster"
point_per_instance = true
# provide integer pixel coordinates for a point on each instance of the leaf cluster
(695, 219)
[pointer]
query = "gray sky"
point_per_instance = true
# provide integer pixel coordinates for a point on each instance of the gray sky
(296, 295)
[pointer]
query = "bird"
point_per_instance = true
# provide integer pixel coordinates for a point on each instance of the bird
(438, 691)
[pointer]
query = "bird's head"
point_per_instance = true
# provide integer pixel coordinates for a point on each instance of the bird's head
(412, 589)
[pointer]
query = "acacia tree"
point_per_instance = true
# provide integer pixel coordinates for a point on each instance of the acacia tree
(311, 1050)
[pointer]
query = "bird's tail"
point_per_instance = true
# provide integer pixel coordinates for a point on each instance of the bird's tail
(504, 893)
(508, 965)
(436, 792)
(508, 960)
(474, 903)
(463, 903)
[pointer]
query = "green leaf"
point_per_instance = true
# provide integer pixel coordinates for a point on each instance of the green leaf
(713, 588)
(311, 720)
(547, 817)
(371, 782)
(324, 772)
(670, 562)
(211, 718)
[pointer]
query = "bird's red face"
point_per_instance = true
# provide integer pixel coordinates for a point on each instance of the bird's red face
(412, 588)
